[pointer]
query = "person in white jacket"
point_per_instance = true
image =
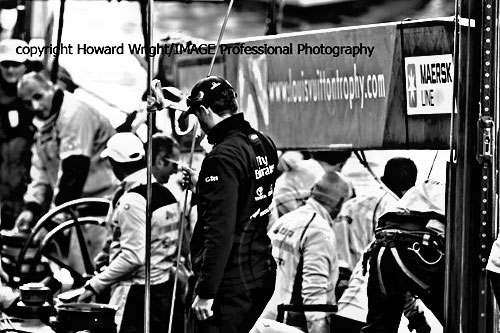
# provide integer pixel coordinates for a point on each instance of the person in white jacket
(69, 139)
(125, 273)
(305, 252)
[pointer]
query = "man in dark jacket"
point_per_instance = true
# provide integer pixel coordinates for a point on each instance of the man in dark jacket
(231, 251)
(16, 133)
(407, 256)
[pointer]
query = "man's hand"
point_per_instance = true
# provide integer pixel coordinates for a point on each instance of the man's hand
(24, 221)
(101, 261)
(86, 296)
(189, 178)
(319, 326)
(203, 308)
(61, 217)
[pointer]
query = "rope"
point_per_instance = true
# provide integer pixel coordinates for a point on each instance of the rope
(55, 63)
(193, 142)
(362, 159)
(220, 37)
(432, 165)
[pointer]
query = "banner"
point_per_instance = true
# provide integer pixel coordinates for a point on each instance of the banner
(324, 89)
(343, 88)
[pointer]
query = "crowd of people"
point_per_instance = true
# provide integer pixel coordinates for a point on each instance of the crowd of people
(269, 230)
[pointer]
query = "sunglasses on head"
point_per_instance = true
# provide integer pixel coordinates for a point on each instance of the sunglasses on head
(9, 63)
(178, 164)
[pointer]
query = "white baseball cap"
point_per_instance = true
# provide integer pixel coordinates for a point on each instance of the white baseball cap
(10, 50)
(124, 147)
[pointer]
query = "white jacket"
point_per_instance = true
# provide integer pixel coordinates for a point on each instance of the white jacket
(78, 129)
(306, 232)
(127, 250)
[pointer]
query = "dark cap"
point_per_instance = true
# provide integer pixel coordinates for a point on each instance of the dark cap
(207, 91)
(331, 189)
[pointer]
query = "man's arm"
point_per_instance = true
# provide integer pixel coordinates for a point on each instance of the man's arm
(287, 198)
(217, 206)
(39, 188)
(130, 217)
(317, 283)
(38, 194)
(77, 132)
(75, 170)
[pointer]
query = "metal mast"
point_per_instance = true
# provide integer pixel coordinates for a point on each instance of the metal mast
(471, 176)
(149, 163)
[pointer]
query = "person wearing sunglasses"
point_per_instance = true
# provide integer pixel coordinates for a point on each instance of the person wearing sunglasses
(167, 153)
(16, 132)
(124, 270)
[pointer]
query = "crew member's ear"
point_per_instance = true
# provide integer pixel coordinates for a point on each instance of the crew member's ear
(158, 162)
(204, 112)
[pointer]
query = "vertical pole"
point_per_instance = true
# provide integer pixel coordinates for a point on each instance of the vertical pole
(487, 158)
(149, 163)
(471, 185)
(181, 234)
(55, 63)
(20, 29)
(496, 106)
(272, 24)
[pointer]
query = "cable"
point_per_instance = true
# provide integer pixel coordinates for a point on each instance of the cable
(193, 142)
(362, 159)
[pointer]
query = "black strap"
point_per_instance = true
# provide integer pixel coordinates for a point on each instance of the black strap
(297, 284)
(263, 146)
(254, 227)
(374, 220)
(299, 320)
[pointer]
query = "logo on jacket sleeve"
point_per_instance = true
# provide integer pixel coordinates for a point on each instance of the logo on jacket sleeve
(211, 179)
(264, 168)
(260, 194)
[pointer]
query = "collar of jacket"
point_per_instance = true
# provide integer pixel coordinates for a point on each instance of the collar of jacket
(135, 179)
(225, 127)
(320, 210)
(46, 124)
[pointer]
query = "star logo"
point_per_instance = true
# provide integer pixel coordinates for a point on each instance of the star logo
(411, 84)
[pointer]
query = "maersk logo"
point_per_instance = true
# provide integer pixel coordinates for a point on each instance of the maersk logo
(411, 84)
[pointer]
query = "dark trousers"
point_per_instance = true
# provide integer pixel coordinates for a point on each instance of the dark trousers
(161, 296)
(385, 308)
(345, 325)
(495, 283)
(236, 312)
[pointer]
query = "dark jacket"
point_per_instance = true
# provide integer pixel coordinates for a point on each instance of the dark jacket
(230, 247)
(16, 138)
